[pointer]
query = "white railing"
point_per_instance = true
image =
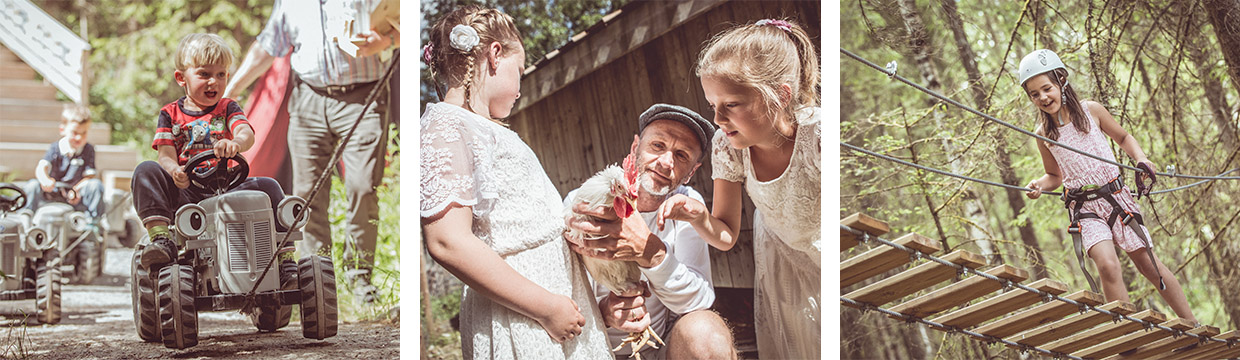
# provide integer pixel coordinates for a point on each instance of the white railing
(47, 46)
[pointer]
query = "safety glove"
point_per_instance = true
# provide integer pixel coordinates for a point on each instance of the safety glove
(1147, 172)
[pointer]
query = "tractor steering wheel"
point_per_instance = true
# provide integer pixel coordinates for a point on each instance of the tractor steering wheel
(14, 202)
(61, 192)
(219, 178)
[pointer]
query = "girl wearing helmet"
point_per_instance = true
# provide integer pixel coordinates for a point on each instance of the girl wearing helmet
(1101, 208)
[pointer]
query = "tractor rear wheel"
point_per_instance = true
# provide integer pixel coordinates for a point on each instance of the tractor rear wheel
(145, 305)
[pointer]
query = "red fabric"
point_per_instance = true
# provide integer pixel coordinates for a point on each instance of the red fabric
(268, 115)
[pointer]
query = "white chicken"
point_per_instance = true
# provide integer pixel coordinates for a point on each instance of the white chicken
(614, 187)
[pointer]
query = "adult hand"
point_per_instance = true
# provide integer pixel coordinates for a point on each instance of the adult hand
(562, 320)
(627, 239)
(225, 149)
(374, 44)
(681, 207)
(1036, 192)
(626, 312)
(179, 178)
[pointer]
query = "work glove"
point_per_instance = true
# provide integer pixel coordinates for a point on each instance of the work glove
(1147, 172)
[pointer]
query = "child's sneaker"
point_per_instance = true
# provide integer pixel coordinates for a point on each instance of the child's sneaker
(160, 251)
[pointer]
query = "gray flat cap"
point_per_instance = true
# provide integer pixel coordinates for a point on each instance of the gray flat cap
(704, 129)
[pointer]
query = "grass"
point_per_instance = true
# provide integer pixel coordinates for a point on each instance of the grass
(438, 337)
(386, 273)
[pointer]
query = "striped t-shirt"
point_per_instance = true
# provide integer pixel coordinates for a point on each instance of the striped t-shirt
(192, 132)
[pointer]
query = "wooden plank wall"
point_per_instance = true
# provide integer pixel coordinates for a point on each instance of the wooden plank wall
(590, 123)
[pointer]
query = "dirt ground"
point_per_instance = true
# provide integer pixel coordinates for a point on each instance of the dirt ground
(98, 324)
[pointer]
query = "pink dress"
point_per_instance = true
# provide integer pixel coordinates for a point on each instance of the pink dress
(1080, 170)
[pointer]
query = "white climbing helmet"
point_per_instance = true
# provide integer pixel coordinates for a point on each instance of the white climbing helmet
(1038, 62)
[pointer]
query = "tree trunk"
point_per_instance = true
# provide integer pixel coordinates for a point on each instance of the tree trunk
(1041, 26)
(919, 43)
(1225, 16)
(1102, 44)
(1214, 90)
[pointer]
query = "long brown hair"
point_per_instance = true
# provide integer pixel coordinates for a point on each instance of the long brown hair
(452, 67)
(1076, 113)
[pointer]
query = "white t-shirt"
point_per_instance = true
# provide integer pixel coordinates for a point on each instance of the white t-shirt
(678, 285)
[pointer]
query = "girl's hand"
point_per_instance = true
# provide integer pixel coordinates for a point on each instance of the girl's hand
(179, 178)
(563, 320)
(1036, 192)
(681, 207)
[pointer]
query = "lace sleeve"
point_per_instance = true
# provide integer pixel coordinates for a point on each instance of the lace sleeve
(454, 166)
(726, 162)
(813, 143)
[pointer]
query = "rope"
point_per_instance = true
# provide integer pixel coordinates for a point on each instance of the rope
(987, 338)
(866, 237)
(991, 183)
(318, 183)
(1014, 127)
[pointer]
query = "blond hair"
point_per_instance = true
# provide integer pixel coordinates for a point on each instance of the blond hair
(764, 57)
(453, 67)
(76, 114)
(202, 49)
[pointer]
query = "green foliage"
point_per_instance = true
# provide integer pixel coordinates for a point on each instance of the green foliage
(133, 43)
(386, 272)
(545, 25)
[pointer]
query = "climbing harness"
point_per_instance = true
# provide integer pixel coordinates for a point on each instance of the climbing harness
(1075, 199)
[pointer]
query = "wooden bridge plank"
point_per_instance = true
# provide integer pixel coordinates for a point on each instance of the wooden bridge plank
(1161, 349)
(997, 306)
(1209, 349)
(1133, 340)
(961, 292)
(1072, 325)
(1203, 351)
(1103, 333)
(1227, 353)
(913, 280)
(883, 258)
(1039, 315)
(861, 222)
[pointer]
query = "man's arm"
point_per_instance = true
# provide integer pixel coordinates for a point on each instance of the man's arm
(256, 63)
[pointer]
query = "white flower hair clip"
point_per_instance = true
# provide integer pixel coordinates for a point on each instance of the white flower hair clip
(464, 38)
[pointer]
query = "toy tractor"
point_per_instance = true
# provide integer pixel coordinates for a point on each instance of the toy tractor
(78, 237)
(29, 258)
(230, 241)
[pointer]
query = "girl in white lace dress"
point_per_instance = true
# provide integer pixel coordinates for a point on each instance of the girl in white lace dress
(768, 145)
(489, 213)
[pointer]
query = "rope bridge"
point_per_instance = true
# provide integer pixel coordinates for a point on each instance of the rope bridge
(1130, 334)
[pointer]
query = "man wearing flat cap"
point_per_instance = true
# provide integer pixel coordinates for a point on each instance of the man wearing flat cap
(670, 145)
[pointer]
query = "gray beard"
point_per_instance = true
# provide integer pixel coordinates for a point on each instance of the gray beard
(647, 183)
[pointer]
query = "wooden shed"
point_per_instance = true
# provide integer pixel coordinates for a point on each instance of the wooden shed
(579, 106)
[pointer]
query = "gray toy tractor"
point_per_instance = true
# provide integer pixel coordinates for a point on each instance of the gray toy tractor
(78, 238)
(229, 244)
(29, 258)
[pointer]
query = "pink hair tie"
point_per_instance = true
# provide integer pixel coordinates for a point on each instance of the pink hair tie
(426, 53)
(776, 23)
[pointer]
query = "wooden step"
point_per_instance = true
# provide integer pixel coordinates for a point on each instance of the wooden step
(46, 132)
(916, 279)
(960, 293)
(7, 56)
(15, 71)
(19, 109)
(1226, 353)
(1072, 325)
(21, 158)
(1204, 350)
(1038, 315)
(1133, 340)
(1161, 349)
(1103, 333)
(861, 222)
(26, 89)
(882, 258)
(999, 305)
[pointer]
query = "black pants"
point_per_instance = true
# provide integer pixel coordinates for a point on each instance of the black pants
(156, 197)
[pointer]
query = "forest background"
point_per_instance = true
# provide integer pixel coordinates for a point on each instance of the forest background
(1168, 71)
